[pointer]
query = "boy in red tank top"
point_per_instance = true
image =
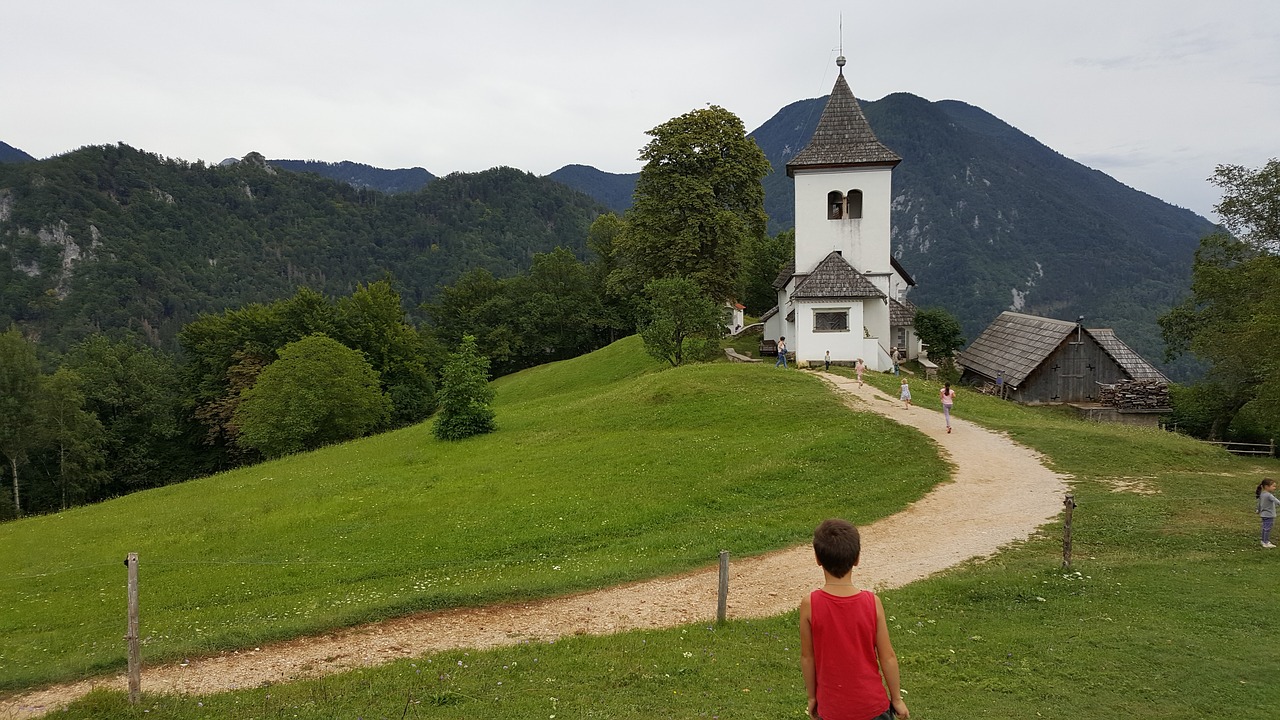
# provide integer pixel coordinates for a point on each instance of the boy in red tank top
(844, 639)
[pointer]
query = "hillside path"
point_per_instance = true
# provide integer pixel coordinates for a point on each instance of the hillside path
(1000, 492)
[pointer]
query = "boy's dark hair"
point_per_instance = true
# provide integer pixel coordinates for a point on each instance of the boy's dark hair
(837, 545)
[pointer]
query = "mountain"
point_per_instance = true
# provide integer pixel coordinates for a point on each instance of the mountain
(359, 175)
(111, 237)
(11, 154)
(986, 219)
(612, 190)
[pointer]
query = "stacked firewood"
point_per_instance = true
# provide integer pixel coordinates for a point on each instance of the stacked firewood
(1136, 395)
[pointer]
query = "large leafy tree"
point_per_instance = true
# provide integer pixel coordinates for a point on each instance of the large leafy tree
(318, 392)
(136, 394)
(73, 438)
(1230, 320)
(20, 431)
(940, 331)
(763, 260)
(373, 321)
(681, 323)
(466, 397)
(697, 202)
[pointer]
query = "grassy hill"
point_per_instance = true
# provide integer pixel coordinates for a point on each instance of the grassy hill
(1166, 613)
(603, 469)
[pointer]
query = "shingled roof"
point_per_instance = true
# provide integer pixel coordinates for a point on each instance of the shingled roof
(902, 313)
(784, 275)
(843, 136)
(835, 279)
(1014, 344)
(1125, 357)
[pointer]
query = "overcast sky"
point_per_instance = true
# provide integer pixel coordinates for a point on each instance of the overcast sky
(1153, 92)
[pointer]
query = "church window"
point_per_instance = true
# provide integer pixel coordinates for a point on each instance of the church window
(853, 204)
(835, 205)
(831, 321)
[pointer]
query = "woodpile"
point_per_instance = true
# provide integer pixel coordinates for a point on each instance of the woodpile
(1136, 395)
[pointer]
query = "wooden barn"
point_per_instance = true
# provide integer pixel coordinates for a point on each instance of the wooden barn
(1042, 360)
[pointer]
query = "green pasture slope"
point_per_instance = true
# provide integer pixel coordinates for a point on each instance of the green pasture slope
(604, 469)
(1168, 612)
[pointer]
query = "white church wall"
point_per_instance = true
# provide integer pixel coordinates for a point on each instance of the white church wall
(863, 242)
(811, 344)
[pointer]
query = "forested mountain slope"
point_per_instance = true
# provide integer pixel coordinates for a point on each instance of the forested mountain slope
(110, 237)
(11, 154)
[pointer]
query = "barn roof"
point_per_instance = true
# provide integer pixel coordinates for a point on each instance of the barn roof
(1014, 344)
(1125, 357)
(843, 136)
(835, 279)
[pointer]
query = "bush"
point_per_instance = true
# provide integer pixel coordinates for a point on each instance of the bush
(465, 395)
(318, 392)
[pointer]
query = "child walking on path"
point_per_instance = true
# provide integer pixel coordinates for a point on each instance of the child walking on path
(844, 638)
(948, 399)
(904, 394)
(858, 368)
(1266, 508)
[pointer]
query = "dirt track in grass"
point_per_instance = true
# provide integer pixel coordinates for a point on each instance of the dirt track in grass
(1000, 492)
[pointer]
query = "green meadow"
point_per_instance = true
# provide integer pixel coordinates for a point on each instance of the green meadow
(604, 469)
(1166, 612)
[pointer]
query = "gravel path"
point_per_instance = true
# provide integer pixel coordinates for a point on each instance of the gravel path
(1001, 492)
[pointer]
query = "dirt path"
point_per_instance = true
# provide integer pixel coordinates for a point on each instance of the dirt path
(1001, 493)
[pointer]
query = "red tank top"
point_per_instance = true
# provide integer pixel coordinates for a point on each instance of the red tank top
(844, 654)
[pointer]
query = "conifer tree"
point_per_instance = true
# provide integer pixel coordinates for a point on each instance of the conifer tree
(465, 395)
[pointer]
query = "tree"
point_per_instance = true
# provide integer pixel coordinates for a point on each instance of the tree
(940, 331)
(603, 239)
(682, 324)
(465, 395)
(19, 405)
(1231, 317)
(764, 259)
(557, 312)
(136, 394)
(697, 202)
(318, 392)
(372, 321)
(73, 434)
(1250, 206)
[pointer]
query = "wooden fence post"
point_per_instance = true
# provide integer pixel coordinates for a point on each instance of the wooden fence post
(135, 653)
(722, 607)
(1069, 503)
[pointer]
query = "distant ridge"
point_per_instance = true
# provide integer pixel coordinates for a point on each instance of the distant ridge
(613, 190)
(363, 176)
(11, 154)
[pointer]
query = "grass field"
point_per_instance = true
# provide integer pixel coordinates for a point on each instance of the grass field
(1167, 612)
(603, 470)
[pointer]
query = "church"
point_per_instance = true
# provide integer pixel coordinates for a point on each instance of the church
(845, 293)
